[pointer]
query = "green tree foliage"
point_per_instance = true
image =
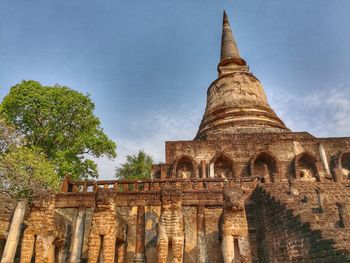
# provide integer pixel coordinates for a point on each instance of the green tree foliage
(24, 171)
(9, 136)
(136, 167)
(60, 122)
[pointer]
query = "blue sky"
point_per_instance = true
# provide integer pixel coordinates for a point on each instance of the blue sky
(148, 64)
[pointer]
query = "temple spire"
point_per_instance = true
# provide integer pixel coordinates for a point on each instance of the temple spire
(230, 60)
(236, 101)
(228, 44)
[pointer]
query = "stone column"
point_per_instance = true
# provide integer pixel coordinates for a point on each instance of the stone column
(15, 231)
(211, 170)
(204, 169)
(78, 238)
(323, 156)
(140, 236)
(202, 256)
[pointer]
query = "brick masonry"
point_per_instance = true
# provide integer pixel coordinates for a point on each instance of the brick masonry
(289, 192)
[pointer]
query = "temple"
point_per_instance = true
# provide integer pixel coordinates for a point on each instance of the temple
(236, 100)
(245, 189)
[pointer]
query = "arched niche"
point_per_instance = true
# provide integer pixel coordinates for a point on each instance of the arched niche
(307, 167)
(221, 166)
(344, 161)
(185, 167)
(266, 166)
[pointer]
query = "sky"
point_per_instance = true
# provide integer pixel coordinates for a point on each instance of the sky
(147, 64)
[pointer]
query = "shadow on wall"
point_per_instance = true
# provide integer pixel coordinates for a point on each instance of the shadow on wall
(284, 237)
(214, 249)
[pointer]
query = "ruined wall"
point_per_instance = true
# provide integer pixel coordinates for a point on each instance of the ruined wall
(294, 222)
(152, 214)
(240, 149)
(290, 217)
(287, 222)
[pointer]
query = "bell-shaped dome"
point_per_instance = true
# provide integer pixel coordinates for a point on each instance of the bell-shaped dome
(236, 101)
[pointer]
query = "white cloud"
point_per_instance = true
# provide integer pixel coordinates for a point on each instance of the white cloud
(323, 114)
(106, 168)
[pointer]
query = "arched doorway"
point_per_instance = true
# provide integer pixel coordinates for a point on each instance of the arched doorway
(306, 167)
(265, 166)
(221, 167)
(184, 167)
(345, 165)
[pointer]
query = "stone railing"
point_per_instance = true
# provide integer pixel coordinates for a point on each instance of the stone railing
(123, 186)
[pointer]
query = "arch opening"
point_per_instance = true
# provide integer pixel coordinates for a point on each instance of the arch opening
(223, 167)
(307, 168)
(266, 167)
(184, 168)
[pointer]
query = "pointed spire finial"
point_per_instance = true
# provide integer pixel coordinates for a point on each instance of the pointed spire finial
(229, 57)
(228, 44)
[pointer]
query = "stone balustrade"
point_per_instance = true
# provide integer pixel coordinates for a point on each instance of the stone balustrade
(123, 186)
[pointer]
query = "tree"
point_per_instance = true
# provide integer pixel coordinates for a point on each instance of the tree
(24, 171)
(9, 136)
(60, 122)
(136, 167)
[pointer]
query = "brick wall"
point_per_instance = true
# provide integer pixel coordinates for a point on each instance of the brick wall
(302, 221)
